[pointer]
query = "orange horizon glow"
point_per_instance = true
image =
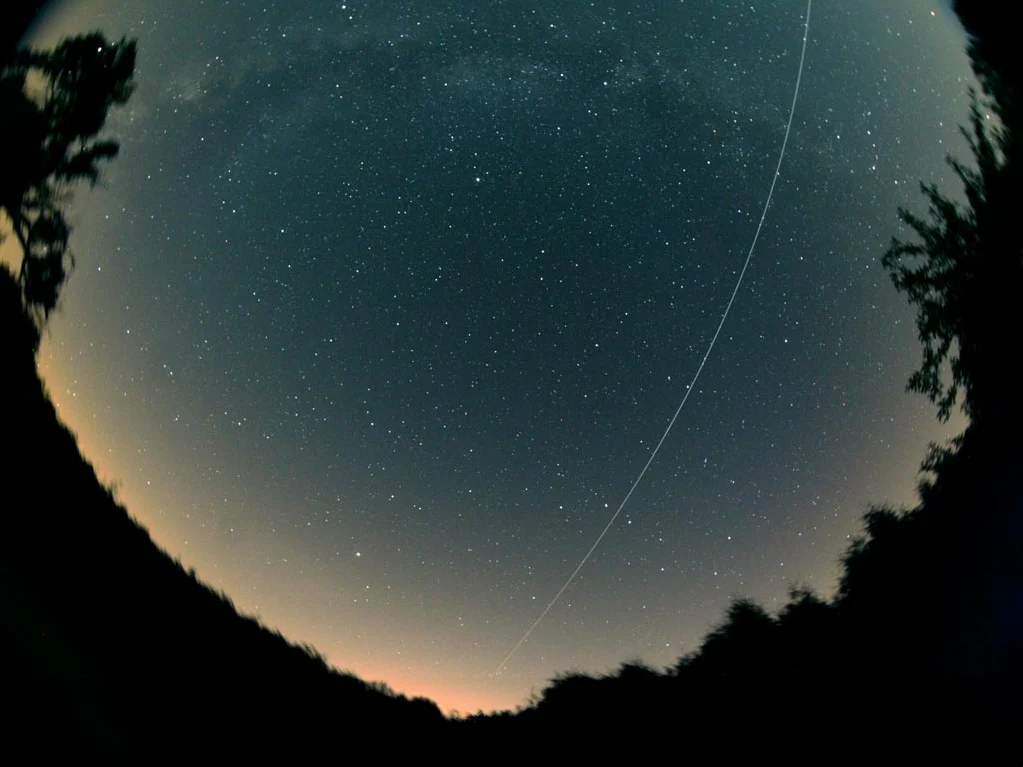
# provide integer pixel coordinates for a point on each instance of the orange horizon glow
(460, 697)
(454, 699)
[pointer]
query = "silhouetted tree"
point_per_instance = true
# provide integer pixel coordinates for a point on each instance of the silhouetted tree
(55, 104)
(741, 648)
(964, 273)
(110, 651)
(994, 52)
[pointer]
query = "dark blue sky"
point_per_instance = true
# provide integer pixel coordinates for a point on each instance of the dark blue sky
(382, 309)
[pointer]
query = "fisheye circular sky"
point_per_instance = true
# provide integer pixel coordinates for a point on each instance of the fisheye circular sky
(383, 307)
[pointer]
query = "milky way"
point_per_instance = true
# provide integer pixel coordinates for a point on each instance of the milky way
(383, 307)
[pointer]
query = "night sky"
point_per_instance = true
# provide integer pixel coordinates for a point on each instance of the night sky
(383, 307)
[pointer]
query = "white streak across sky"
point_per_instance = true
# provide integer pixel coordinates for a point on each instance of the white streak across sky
(699, 369)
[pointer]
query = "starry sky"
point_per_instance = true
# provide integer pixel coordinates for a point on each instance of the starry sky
(384, 305)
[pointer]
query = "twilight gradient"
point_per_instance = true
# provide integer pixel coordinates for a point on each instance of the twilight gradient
(383, 307)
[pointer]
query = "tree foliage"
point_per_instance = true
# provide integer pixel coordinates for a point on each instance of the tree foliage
(55, 106)
(994, 53)
(963, 273)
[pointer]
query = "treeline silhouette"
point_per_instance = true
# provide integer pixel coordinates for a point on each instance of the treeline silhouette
(918, 658)
(113, 652)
